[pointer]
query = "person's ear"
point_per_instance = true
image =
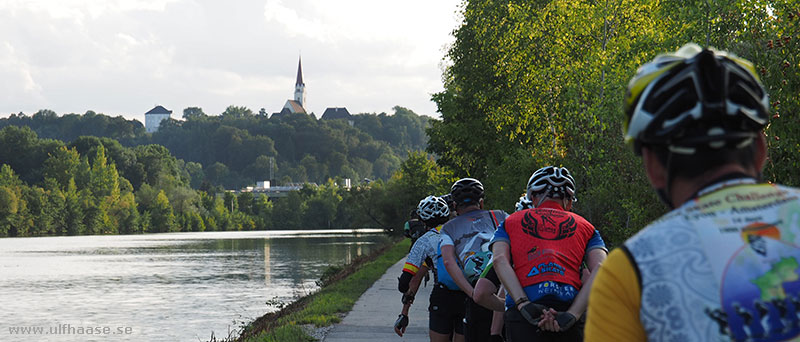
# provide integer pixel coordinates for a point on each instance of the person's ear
(656, 172)
(480, 201)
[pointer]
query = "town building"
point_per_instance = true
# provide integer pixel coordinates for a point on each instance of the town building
(153, 118)
(338, 113)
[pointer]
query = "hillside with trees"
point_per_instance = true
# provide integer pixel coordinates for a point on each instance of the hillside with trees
(95, 185)
(238, 148)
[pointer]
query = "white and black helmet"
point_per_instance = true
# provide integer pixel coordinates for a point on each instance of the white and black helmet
(432, 207)
(695, 98)
(523, 203)
(553, 182)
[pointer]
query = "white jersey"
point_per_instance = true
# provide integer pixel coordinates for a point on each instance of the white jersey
(424, 248)
(723, 267)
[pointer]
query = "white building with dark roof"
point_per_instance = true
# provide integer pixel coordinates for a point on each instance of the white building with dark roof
(153, 118)
(333, 113)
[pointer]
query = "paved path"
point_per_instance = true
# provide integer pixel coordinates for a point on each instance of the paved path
(374, 313)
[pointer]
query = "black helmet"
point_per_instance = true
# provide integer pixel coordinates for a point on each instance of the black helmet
(695, 98)
(467, 191)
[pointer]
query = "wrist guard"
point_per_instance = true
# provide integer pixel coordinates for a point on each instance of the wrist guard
(401, 322)
(532, 312)
(407, 299)
(565, 320)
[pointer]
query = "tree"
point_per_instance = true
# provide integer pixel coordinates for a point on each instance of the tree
(62, 165)
(161, 215)
(237, 112)
(192, 113)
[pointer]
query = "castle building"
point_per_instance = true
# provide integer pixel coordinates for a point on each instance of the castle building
(153, 118)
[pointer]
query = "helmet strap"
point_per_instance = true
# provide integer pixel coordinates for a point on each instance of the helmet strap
(664, 197)
(664, 193)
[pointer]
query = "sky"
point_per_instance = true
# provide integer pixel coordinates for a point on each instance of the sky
(123, 57)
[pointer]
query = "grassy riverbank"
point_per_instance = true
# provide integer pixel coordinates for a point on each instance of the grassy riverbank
(328, 305)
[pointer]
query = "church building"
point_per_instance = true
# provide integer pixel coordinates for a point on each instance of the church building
(298, 104)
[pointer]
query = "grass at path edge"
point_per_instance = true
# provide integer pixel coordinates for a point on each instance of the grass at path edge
(325, 307)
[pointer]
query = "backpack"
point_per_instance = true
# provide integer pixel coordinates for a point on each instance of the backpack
(472, 268)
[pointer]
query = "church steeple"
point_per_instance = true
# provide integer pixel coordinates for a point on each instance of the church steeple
(299, 86)
(299, 72)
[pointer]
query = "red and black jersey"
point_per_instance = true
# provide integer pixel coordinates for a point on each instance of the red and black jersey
(547, 243)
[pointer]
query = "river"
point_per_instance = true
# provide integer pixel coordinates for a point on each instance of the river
(161, 287)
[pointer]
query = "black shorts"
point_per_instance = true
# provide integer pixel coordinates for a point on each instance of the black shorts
(446, 310)
(518, 329)
(478, 322)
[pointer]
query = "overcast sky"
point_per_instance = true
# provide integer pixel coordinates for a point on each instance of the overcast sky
(122, 57)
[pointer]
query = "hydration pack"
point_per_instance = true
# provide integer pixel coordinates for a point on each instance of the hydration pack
(473, 265)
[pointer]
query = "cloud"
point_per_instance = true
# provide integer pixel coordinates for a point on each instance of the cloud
(123, 56)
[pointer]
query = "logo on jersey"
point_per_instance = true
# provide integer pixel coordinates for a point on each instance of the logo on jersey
(548, 224)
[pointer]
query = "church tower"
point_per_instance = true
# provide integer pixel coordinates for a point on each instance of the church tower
(300, 87)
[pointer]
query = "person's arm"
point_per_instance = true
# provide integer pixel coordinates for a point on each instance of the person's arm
(402, 321)
(413, 286)
(501, 253)
(452, 267)
(615, 302)
(497, 316)
(414, 262)
(579, 304)
(484, 295)
(408, 299)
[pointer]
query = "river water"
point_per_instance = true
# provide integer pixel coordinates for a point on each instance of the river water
(161, 287)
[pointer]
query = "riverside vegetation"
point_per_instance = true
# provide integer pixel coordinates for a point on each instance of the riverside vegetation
(97, 185)
(326, 306)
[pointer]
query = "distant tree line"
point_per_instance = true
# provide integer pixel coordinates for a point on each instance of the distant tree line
(238, 147)
(96, 185)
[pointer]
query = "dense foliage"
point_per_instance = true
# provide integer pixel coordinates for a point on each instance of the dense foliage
(531, 83)
(238, 148)
(97, 186)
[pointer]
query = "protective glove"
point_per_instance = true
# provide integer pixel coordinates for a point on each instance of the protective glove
(565, 320)
(400, 324)
(532, 312)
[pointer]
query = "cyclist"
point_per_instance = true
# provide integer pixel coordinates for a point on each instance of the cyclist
(722, 265)
(446, 307)
(547, 245)
(464, 251)
(488, 290)
(414, 228)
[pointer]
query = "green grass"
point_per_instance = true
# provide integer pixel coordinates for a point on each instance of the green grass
(324, 307)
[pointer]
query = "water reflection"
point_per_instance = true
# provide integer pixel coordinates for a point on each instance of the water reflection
(167, 287)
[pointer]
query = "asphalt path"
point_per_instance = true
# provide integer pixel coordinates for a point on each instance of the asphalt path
(375, 312)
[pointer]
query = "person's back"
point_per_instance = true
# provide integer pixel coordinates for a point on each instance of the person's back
(724, 264)
(465, 251)
(538, 257)
(548, 244)
(471, 232)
